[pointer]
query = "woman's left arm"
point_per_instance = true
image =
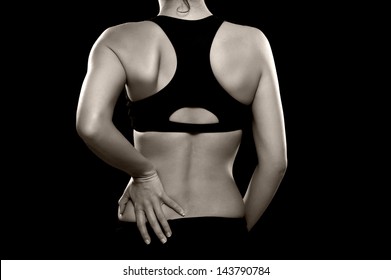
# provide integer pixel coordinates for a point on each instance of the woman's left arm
(269, 137)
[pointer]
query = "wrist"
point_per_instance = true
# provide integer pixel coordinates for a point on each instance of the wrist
(145, 176)
(142, 169)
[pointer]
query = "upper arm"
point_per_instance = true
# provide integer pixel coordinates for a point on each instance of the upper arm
(104, 81)
(268, 119)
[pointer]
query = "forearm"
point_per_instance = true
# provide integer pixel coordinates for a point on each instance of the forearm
(111, 146)
(262, 188)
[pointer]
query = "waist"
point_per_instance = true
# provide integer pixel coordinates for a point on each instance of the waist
(218, 199)
(184, 153)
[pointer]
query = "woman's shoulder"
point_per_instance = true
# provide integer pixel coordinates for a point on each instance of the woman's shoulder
(137, 31)
(243, 32)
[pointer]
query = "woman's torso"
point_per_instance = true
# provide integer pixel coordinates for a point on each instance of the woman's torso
(195, 168)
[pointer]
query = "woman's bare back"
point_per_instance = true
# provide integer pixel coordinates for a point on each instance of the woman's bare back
(195, 169)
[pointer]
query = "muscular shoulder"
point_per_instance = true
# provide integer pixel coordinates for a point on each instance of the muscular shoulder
(249, 44)
(244, 38)
(128, 35)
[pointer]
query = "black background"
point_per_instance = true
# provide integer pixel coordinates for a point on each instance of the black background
(59, 200)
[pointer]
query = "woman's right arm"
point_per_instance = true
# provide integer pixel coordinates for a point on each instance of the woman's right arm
(104, 81)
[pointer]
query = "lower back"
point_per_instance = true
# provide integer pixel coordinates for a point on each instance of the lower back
(196, 170)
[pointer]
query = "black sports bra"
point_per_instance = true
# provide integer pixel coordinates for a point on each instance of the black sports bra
(192, 86)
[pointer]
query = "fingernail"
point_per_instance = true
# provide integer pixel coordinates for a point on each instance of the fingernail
(163, 240)
(147, 241)
(169, 234)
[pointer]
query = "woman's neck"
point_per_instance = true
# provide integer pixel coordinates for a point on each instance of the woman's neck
(178, 9)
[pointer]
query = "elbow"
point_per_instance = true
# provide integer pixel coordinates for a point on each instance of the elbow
(88, 130)
(283, 162)
(283, 166)
(278, 164)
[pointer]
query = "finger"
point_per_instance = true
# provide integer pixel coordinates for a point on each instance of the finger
(162, 219)
(119, 214)
(141, 225)
(153, 222)
(122, 203)
(172, 204)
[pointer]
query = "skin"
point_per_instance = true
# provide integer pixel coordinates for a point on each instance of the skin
(179, 175)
